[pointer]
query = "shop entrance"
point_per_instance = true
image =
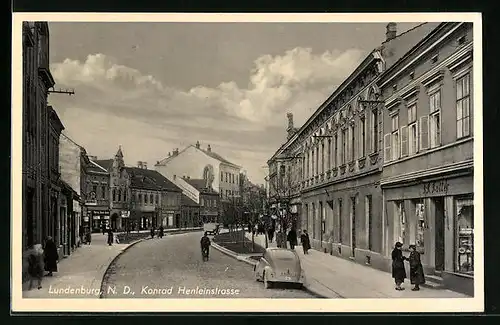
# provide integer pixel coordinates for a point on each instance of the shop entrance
(439, 233)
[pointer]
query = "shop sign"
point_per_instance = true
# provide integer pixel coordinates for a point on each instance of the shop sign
(100, 213)
(439, 187)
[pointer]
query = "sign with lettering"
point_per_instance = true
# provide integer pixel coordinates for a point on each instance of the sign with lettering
(100, 213)
(438, 187)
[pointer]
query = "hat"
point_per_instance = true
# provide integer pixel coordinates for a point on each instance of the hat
(399, 244)
(412, 247)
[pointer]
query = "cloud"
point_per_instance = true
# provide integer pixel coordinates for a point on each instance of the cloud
(116, 104)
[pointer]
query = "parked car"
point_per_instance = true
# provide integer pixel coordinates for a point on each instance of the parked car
(279, 265)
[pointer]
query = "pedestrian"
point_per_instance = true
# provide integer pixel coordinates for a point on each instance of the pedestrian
(103, 226)
(88, 238)
(279, 239)
(110, 236)
(304, 240)
(152, 232)
(81, 235)
(270, 234)
(292, 238)
(35, 265)
(398, 267)
(417, 276)
(160, 232)
(50, 256)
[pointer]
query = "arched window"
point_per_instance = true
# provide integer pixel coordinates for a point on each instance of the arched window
(119, 195)
(125, 195)
(114, 195)
(151, 199)
(145, 199)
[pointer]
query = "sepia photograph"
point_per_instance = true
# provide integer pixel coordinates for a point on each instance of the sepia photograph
(253, 162)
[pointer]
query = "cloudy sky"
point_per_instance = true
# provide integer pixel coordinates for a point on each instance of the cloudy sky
(153, 87)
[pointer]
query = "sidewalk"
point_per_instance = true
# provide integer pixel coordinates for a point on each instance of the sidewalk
(332, 276)
(83, 269)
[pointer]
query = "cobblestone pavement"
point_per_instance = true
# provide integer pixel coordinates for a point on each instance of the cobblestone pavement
(172, 267)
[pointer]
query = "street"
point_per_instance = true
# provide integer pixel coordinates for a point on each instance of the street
(172, 267)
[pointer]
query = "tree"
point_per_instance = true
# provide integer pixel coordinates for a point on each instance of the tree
(281, 193)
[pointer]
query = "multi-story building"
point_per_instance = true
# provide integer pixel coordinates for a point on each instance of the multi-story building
(96, 196)
(253, 198)
(209, 200)
(331, 167)
(427, 177)
(198, 163)
(70, 212)
(39, 193)
(190, 212)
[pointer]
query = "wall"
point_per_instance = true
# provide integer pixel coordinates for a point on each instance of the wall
(228, 186)
(190, 162)
(69, 163)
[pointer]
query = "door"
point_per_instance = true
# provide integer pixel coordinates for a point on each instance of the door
(439, 217)
(353, 225)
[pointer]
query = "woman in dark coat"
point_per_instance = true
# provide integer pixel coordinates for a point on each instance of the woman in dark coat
(50, 256)
(417, 276)
(398, 266)
(306, 243)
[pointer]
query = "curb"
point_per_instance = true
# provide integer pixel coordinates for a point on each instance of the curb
(103, 281)
(249, 261)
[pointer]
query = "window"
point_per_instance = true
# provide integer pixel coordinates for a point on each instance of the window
(94, 189)
(420, 214)
(374, 128)
(463, 106)
(145, 199)
(465, 236)
(222, 176)
(424, 132)
(157, 199)
(316, 168)
(362, 141)
(344, 148)
(395, 137)
(353, 143)
(435, 126)
(125, 195)
(339, 213)
(336, 149)
(227, 178)
(103, 192)
(114, 195)
(312, 163)
(140, 198)
(322, 157)
(329, 154)
(369, 221)
(400, 213)
(412, 113)
(151, 199)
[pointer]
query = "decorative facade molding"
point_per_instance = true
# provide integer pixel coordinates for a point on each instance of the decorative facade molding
(433, 79)
(412, 92)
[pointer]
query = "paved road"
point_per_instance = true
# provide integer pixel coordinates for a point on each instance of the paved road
(172, 268)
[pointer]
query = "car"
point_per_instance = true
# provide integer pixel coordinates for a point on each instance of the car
(279, 265)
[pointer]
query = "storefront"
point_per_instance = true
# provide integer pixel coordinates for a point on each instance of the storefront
(100, 220)
(168, 219)
(437, 215)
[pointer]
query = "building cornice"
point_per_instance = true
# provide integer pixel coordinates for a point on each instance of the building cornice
(429, 74)
(390, 74)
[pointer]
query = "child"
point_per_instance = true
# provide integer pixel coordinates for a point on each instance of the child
(35, 265)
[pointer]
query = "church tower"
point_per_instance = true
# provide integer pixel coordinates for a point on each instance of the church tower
(118, 161)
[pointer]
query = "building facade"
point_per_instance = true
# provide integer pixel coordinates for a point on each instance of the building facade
(96, 194)
(38, 205)
(70, 166)
(331, 167)
(209, 200)
(190, 212)
(427, 177)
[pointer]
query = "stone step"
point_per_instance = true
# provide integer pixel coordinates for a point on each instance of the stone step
(433, 281)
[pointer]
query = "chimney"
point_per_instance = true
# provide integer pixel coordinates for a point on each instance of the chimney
(169, 154)
(175, 176)
(144, 165)
(290, 121)
(139, 164)
(198, 144)
(176, 151)
(209, 149)
(391, 30)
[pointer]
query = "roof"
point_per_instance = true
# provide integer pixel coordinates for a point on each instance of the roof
(210, 153)
(148, 179)
(105, 163)
(186, 201)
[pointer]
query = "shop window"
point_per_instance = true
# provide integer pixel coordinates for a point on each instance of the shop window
(420, 214)
(401, 217)
(465, 237)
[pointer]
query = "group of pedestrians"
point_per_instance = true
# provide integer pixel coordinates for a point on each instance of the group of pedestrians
(161, 232)
(417, 276)
(41, 259)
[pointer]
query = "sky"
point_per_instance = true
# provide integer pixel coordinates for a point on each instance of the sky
(154, 87)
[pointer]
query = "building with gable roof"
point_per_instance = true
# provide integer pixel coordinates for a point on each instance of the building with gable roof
(209, 200)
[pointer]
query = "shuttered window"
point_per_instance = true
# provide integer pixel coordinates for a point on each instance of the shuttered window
(424, 132)
(387, 147)
(404, 141)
